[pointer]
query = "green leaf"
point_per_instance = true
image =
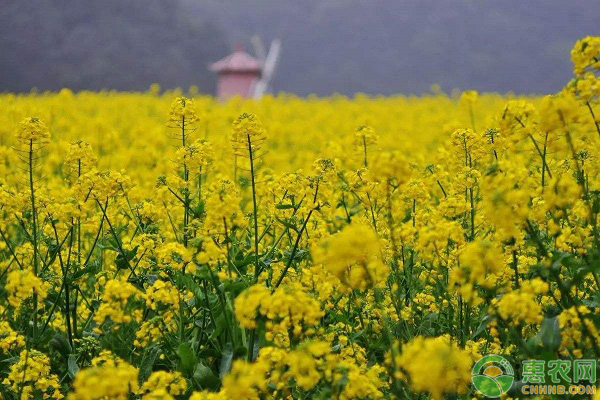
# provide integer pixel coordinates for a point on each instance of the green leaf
(240, 351)
(248, 259)
(198, 211)
(61, 344)
(187, 360)
(121, 262)
(220, 326)
(148, 360)
(90, 269)
(72, 367)
(482, 326)
(550, 334)
(122, 259)
(205, 377)
(226, 359)
(284, 206)
(287, 225)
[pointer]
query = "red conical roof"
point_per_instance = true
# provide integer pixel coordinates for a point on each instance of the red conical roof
(238, 61)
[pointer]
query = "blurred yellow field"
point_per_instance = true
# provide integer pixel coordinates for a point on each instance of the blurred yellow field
(128, 130)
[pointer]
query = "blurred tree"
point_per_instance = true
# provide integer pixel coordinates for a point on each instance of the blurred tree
(98, 44)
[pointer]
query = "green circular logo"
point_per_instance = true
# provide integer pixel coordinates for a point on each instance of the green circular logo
(492, 375)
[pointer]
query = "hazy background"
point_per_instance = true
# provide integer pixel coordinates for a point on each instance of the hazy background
(329, 46)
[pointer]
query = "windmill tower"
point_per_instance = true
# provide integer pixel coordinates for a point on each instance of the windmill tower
(240, 74)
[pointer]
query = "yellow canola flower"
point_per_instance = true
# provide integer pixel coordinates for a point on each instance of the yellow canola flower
(9, 339)
(354, 257)
(163, 385)
(290, 312)
(22, 285)
(31, 377)
(109, 377)
(436, 366)
(115, 299)
(183, 113)
(33, 131)
(586, 54)
(175, 256)
(522, 305)
(247, 130)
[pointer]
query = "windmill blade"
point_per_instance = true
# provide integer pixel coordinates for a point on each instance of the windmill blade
(259, 48)
(269, 67)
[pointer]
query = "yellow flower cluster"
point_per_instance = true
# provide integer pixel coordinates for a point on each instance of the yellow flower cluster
(521, 305)
(182, 114)
(226, 214)
(196, 156)
(301, 369)
(354, 257)
(30, 377)
(290, 312)
(33, 132)
(572, 331)
(109, 377)
(586, 54)
(80, 157)
(9, 339)
(22, 285)
(115, 300)
(478, 260)
(176, 256)
(163, 385)
(161, 293)
(247, 130)
(434, 365)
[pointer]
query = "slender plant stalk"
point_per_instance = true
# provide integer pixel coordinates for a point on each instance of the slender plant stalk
(293, 253)
(589, 106)
(255, 209)
(365, 150)
(186, 214)
(390, 218)
(34, 237)
(67, 290)
(544, 161)
(78, 265)
(257, 269)
(516, 268)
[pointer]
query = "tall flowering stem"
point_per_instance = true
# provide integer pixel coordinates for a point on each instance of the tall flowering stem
(34, 235)
(183, 116)
(33, 134)
(248, 132)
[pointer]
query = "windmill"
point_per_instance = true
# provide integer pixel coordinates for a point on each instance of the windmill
(241, 74)
(269, 62)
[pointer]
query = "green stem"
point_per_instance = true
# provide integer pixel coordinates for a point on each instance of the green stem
(544, 161)
(257, 271)
(293, 253)
(365, 150)
(186, 215)
(515, 268)
(255, 213)
(472, 213)
(589, 106)
(34, 236)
